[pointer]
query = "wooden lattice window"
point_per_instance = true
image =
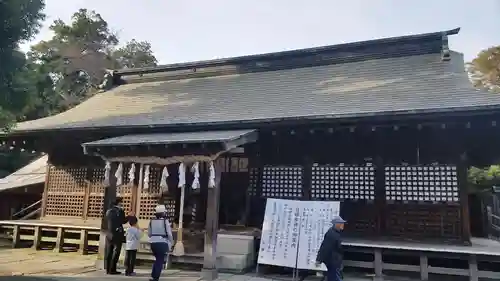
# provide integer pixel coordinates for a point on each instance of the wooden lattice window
(437, 183)
(96, 195)
(343, 182)
(282, 182)
(64, 205)
(151, 196)
(67, 180)
(66, 191)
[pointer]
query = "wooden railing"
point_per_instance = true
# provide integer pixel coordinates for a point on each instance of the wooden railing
(39, 235)
(29, 212)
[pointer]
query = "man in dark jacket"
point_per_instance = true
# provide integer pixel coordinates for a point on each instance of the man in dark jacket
(330, 251)
(115, 235)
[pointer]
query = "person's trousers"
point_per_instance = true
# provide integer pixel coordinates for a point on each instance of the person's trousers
(333, 273)
(160, 251)
(112, 255)
(130, 257)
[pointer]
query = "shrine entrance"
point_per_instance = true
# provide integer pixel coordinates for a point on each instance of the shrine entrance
(182, 149)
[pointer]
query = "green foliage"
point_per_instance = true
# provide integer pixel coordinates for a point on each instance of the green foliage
(134, 54)
(58, 73)
(483, 178)
(79, 53)
(484, 70)
(20, 20)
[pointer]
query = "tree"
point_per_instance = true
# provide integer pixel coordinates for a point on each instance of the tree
(20, 20)
(484, 70)
(81, 51)
(134, 54)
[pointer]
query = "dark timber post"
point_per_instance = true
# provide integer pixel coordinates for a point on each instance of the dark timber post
(380, 199)
(306, 178)
(253, 163)
(209, 270)
(109, 197)
(462, 169)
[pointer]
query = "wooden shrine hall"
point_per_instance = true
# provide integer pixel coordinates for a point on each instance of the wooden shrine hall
(388, 127)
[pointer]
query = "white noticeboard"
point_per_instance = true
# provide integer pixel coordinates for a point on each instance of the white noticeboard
(293, 231)
(315, 221)
(280, 233)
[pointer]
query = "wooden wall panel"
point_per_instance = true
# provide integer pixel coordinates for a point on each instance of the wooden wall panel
(66, 191)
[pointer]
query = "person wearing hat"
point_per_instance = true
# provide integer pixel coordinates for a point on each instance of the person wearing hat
(160, 239)
(330, 251)
(115, 235)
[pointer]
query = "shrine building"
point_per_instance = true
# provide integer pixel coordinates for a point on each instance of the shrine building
(388, 127)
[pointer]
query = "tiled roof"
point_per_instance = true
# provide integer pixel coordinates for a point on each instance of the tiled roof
(33, 173)
(188, 137)
(393, 85)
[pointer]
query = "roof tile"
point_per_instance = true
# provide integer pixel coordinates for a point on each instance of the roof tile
(393, 85)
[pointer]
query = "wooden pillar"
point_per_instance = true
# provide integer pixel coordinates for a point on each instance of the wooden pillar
(179, 244)
(87, 190)
(59, 247)
(37, 238)
(209, 270)
(16, 235)
(307, 164)
(253, 163)
(462, 169)
(45, 190)
(84, 242)
(424, 267)
(380, 197)
(109, 197)
(140, 186)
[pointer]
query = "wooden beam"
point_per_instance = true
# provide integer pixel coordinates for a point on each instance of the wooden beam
(209, 270)
(109, 197)
(45, 194)
(462, 169)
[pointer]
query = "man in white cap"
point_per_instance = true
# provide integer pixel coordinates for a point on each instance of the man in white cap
(330, 251)
(160, 239)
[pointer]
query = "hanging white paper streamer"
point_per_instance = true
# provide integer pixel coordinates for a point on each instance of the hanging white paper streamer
(211, 178)
(195, 169)
(146, 178)
(163, 182)
(131, 173)
(182, 175)
(119, 175)
(107, 171)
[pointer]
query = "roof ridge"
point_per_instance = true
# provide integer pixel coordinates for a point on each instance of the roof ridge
(286, 54)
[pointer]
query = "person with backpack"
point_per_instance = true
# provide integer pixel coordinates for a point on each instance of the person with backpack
(115, 236)
(160, 239)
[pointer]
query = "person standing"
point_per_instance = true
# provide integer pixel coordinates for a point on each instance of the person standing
(133, 237)
(160, 239)
(115, 236)
(330, 251)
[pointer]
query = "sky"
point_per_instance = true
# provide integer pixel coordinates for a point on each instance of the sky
(190, 30)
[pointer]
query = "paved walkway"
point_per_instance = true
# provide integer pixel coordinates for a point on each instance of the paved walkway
(168, 276)
(30, 265)
(29, 262)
